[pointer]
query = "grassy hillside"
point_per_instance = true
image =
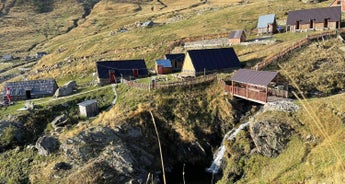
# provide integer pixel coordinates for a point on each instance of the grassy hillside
(96, 37)
(25, 29)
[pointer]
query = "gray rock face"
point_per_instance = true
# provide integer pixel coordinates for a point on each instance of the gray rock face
(270, 137)
(103, 148)
(46, 145)
(283, 106)
(66, 89)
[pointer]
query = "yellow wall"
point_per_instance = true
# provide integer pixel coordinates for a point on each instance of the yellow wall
(188, 68)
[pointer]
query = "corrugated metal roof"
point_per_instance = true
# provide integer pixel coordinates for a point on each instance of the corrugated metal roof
(333, 14)
(264, 20)
(36, 87)
(166, 63)
(260, 78)
(124, 67)
(214, 59)
(87, 103)
(175, 57)
(236, 34)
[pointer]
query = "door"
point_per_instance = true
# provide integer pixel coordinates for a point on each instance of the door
(325, 23)
(311, 24)
(160, 69)
(112, 76)
(135, 73)
(28, 94)
(297, 24)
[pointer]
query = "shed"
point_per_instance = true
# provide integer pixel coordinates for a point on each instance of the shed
(257, 86)
(88, 108)
(23, 90)
(340, 3)
(237, 36)
(314, 19)
(176, 60)
(112, 71)
(7, 57)
(198, 62)
(267, 24)
(163, 66)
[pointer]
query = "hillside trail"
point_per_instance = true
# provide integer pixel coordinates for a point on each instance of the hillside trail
(79, 94)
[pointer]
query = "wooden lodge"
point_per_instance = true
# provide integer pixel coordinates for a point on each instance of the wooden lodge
(328, 18)
(207, 61)
(113, 71)
(257, 86)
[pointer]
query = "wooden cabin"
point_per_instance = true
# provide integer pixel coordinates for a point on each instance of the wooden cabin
(25, 90)
(237, 36)
(267, 24)
(340, 3)
(257, 86)
(176, 60)
(112, 71)
(163, 66)
(314, 19)
(199, 62)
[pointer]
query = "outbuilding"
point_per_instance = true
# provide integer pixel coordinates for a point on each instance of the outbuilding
(25, 90)
(237, 36)
(199, 62)
(314, 19)
(176, 60)
(163, 66)
(267, 24)
(88, 108)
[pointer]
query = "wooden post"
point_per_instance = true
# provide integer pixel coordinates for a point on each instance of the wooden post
(266, 94)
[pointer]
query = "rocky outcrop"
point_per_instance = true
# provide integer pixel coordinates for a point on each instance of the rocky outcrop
(11, 133)
(282, 106)
(59, 121)
(46, 145)
(66, 89)
(270, 137)
(103, 148)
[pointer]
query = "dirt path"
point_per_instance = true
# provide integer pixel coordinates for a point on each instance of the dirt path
(78, 94)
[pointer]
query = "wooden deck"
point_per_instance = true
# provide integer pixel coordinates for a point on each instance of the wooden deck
(255, 95)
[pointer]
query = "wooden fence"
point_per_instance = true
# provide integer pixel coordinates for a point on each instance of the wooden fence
(164, 85)
(294, 46)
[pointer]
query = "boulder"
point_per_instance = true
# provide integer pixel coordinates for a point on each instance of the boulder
(59, 121)
(66, 89)
(46, 145)
(270, 136)
(62, 166)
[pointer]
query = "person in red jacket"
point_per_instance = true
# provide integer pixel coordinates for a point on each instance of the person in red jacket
(8, 94)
